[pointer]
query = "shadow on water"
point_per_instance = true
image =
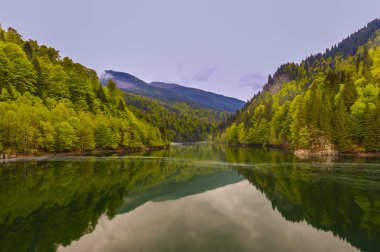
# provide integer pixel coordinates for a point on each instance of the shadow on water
(48, 203)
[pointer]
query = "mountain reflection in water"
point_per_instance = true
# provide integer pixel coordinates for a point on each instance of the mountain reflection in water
(199, 197)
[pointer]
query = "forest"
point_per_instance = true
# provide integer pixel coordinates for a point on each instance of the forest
(329, 99)
(51, 104)
(177, 121)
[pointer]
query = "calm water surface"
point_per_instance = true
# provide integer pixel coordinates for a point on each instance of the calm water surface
(190, 198)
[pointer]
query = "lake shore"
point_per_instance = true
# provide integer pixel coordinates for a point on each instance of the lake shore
(313, 153)
(121, 151)
(301, 153)
(95, 152)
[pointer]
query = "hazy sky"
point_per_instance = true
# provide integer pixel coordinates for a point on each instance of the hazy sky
(228, 47)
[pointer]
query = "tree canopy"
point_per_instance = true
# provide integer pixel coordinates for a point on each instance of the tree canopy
(332, 98)
(52, 104)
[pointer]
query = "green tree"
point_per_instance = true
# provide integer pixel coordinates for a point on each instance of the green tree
(47, 138)
(57, 83)
(305, 138)
(86, 132)
(13, 36)
(28, 50)
(371, 139)
(101, 95)
(111, 86)
(241, 133)
(231, 134)
(104, 137)
(2, 35)
(65, 137)
(342, 129)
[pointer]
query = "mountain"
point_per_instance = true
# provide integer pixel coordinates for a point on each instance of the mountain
(168, 92)
(329, 103)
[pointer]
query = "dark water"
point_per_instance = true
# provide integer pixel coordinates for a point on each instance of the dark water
(190, 198)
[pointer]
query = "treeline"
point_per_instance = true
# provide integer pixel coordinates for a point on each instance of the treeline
(328, 101)
(177, 121)
(53, 104)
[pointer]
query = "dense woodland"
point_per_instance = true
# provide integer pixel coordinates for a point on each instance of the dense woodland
(177, 121)
(331, 98)
(50, 104)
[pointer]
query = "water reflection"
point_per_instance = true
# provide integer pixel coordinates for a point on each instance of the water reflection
(190, 198)
(232, 218)
(344, 199)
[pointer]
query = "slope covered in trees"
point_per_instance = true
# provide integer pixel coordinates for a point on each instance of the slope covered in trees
(52, 104)
(182, 114)
(328, 100)
(177, 121)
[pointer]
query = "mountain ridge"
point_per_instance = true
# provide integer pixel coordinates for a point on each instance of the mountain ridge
(172, 92)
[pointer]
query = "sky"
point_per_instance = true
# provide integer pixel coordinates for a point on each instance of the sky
(227, 47)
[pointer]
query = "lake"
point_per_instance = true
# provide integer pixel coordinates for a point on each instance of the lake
(200, 197)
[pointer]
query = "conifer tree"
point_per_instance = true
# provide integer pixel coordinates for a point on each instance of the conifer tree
(371, 140)
(101, 95)
(342, 131)
(28, 50)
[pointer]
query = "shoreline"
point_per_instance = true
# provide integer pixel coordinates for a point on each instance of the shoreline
(190, 143)
(95, 152)
(312, 153)
(121, 151)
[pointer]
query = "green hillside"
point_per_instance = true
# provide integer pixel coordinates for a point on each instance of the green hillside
(328, 102)
(182, 114)
(49, 104)
(177, 121)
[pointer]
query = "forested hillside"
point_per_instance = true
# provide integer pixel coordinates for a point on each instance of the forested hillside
(329, 101)
(177, 121)
(182, 114)
(50, 104)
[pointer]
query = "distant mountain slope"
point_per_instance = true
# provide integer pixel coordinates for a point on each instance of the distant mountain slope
(177, 121)
(166, 92)
(203, 98)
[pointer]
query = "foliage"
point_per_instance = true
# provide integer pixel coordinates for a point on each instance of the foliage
(176, 121)
(334, 96)
(53, 104)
